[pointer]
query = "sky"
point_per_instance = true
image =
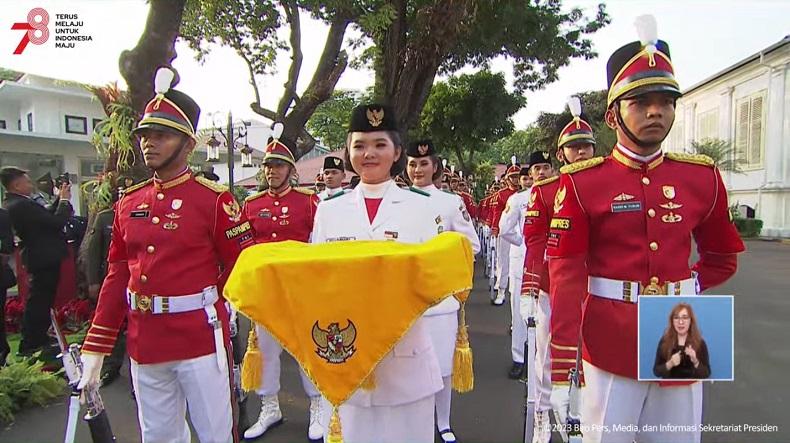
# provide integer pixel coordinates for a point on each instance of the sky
(704, 38)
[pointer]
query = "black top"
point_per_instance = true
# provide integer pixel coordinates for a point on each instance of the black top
(686, 369)
(39, 229)
(98, 246)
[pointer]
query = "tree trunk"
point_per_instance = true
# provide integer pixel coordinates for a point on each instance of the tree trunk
(409, 64)
(155, 48)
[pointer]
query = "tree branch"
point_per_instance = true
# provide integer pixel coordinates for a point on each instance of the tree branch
(292, 13)
(268, 113)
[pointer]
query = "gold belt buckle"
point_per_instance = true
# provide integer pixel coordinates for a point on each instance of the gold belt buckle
(143, 302)
(654, 288)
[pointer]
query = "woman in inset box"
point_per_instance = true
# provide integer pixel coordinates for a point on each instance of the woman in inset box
(682, 353)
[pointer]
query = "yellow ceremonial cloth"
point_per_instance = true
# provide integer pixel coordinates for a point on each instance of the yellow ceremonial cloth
(340, 307)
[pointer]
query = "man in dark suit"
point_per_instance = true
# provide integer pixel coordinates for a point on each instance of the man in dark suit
(7, 278)
(43, 249)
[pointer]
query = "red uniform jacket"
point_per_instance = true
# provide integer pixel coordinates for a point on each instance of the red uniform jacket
(536, 230)
(287, 216)
(482, 213)
(498, 203)
(630, 221)
(469, 202)
(169, 239)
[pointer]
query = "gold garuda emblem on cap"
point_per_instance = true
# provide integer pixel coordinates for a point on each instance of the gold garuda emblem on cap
(335, 345)
(336, 161)
(422, 149)
(375, 117)
(545, 155)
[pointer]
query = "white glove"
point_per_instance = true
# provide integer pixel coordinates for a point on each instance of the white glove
(91, 369)
(526, 306)
(559, 402)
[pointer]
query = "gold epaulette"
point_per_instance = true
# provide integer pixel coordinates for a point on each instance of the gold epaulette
(214, 186)
(140, 185)
(546, 180)
(304, 191)
(581, 166)
(697, 159)
(256, 195)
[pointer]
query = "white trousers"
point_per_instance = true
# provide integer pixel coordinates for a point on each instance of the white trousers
(164, 391)
(270, 379)
(518, 325)
(411, 422)
(502, 263)
(542, 357)
(619, 409)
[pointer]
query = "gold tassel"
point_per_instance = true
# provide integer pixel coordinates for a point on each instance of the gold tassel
(335, 434)
(252, 365)
(463, 360)
(369, 383)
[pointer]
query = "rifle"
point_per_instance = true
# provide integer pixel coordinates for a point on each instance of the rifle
(98, 423)
(492, 255)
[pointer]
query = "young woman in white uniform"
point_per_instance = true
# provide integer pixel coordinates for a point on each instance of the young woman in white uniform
(423, 168)
(400, 407)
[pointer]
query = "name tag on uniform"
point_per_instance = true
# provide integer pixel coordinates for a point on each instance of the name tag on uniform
(139, 214)
(265, 214)
(390, 235)
(626, 207)
(340, 239)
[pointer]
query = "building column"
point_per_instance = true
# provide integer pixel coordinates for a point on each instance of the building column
(727, 126)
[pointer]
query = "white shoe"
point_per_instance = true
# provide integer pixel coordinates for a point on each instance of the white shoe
(500, 298)
(269, 417)
(542, 429)
(315, 432)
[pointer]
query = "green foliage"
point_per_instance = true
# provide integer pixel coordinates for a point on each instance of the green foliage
(748, 227)
(720, 151)
(469, 113)
(483, 174)
(239, 192)
(248, 26)
(330, 119)
(23, 383)
(9, 74)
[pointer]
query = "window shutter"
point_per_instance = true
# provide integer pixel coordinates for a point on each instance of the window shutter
(756, 131)
(742, 129)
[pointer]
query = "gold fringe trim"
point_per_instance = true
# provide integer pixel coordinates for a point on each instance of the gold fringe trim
(252, 365)
(463, 360)
(335, 434)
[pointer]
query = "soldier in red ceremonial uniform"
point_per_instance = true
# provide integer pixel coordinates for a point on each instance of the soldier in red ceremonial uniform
(622, 228)
(278, 214)
(175, 240)
(575, 143)
(469, 201)
(497, 206)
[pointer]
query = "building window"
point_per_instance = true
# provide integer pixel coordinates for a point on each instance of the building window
(676, 137)
(2, 124)
(30, 121)
(750, 130)
(76, 125)
(95, 122)
(708, 125)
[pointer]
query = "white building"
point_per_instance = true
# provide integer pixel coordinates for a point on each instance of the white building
(748, 105)
(46, 126)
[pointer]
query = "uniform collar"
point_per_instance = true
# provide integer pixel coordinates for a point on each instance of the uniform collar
(628, 158)
(280, 195)
(430, 188)
(374, 190)
(183, 177)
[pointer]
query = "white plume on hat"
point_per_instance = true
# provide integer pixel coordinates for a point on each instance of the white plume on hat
(575, 105)
(163, 80)
(513, 159)
(452, 169)
(277, 130)
(647, 29)
(444, 163)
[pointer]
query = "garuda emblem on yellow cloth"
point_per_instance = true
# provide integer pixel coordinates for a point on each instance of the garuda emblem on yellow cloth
(335, 345)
